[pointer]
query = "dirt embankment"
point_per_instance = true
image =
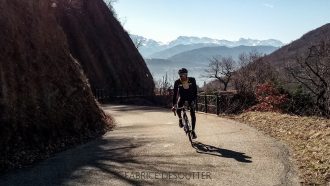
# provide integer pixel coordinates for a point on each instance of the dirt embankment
(45, 100)
(105, 51)
(308, 138)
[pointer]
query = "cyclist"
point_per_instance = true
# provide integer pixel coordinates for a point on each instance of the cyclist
(185, 89)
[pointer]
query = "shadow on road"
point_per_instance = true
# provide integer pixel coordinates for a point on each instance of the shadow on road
(78, 165)
(215, 151)
(124, 108)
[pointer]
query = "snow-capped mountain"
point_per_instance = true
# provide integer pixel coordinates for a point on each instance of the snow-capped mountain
(255, 42)
(151, 48)
(185, 40)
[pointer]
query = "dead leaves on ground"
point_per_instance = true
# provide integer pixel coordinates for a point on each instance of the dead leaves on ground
(308, 137)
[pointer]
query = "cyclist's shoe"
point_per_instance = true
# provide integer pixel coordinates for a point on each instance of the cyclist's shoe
(180, 123)
(194, 136)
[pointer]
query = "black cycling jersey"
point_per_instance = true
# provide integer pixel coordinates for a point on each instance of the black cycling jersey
(186, 92)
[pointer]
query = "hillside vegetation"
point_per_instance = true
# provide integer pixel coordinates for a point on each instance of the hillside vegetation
(284, 94)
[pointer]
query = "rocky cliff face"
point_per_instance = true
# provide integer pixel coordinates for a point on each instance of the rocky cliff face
(44, 96)
(105, 51)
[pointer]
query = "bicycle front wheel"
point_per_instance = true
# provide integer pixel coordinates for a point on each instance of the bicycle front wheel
(190, 137)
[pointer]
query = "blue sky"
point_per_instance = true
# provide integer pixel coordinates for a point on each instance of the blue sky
(165, 20)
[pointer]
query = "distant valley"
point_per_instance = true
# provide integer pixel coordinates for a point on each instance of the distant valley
(194, 53)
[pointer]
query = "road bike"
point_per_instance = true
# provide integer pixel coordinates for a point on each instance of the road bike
(185, 121)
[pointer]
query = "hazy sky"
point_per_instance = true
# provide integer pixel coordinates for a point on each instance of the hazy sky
(165, 20)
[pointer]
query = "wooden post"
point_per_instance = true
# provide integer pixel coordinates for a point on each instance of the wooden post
(218, 108)
(121, 95)
(205, 103)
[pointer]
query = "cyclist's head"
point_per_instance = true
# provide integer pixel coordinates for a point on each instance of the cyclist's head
(183, 73)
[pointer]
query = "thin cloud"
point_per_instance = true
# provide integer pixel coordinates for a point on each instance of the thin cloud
(268, 5)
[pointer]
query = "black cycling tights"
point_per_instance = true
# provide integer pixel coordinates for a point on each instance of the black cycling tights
(192, 113)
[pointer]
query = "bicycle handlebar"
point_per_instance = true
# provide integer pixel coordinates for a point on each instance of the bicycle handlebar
(184, 105)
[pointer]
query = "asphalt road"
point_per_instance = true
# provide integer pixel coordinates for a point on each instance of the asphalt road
(148, 148)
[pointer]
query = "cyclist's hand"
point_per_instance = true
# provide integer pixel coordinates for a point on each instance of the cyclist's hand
(173, 109)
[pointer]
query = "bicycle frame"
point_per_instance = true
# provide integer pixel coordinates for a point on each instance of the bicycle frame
(185, 120)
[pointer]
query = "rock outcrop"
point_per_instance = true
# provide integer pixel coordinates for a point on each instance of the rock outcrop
(45, 100)
(106, 52)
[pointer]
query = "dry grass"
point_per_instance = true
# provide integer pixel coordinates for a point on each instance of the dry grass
(308, 138)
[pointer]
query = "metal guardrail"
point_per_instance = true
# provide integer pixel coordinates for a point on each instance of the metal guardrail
(212, 103)
(205, 103)
(119, 95)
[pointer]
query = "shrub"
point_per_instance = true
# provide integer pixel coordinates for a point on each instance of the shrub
(300, 102)
(269, 98)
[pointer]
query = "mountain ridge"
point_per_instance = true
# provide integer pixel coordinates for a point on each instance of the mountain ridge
(150, 47)
(203, 54)
(197, 60)
(299, 46)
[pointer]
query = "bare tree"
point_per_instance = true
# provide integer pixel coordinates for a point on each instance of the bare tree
(163, 85)
(252, 70)
(110, 6)
(313, 72)
(222, 69)
(248, 58)
(138, 41)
